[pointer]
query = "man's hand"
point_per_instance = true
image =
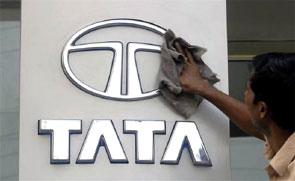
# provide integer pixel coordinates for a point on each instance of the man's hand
(190, 78)
(192, 81)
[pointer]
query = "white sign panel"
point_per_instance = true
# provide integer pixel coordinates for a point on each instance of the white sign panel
(90, 106)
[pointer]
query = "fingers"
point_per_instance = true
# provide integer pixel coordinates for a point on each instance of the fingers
(186, 68)
(184, 51)
(178, 47)
(189, 56)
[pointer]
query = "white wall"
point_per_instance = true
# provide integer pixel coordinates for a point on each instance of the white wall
(47, 94)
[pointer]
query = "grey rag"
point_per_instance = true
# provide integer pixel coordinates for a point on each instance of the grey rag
(172, 63)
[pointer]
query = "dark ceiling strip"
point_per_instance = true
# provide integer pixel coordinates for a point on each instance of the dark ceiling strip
(10, 4)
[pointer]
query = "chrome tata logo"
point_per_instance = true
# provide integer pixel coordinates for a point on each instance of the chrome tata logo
(113, 89)
(102, 132)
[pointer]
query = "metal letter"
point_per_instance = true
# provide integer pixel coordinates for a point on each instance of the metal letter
(186, 135)
(102, 133)
(59, 131)
(144, 135)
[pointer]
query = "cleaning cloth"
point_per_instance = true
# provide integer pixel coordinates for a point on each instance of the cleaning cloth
(172, 63)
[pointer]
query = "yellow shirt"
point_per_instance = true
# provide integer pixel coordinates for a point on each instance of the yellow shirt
(282, 163)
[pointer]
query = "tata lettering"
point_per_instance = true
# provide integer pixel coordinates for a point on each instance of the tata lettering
(102, 133)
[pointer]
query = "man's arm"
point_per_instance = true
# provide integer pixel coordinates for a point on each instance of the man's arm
(191, 81)
(234, 109)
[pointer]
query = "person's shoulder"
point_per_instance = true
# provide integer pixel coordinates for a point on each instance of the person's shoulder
(291, 166)
(291, 169)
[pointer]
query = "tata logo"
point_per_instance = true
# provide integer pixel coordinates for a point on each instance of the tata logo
(115, 82)
(102, 132)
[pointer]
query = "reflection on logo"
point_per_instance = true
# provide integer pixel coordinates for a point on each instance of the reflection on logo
(115, 82)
